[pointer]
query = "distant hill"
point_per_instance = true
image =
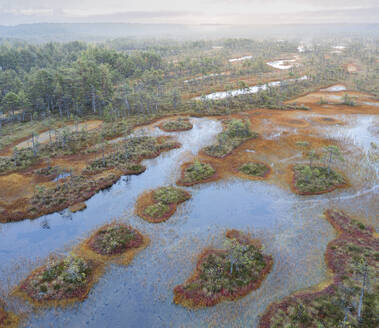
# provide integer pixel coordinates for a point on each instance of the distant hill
(44, 32)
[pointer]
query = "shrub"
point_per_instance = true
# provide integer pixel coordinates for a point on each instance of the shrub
(254, 169)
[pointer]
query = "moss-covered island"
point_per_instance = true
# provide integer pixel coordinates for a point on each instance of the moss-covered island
(315, 180)
(8, 319)
(196, 172)
(60, 282)
(116, 242)
(352, 298)
(179, 124)
(235, 132)
(255, 169)
(158, 205)
(225, 274)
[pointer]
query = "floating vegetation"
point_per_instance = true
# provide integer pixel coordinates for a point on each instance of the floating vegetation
(197, 172)
(225, 274)
(60, 281)
(314, 180)
(158, 205)
(235, 133)
(179, 124)
(349, 300)
(255, 169)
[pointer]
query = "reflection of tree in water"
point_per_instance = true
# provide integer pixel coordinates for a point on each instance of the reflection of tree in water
(45, 224)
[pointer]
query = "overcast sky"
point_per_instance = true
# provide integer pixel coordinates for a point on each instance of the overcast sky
(190, 12)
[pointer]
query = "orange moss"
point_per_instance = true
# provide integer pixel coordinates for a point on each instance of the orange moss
(8, 319)
(327, 120)
(291, 122)
(77, 207)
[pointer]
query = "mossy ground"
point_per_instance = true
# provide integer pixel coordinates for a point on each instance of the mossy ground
(8, 319)
(315, 180)
(115, 242)
(60, 282)
(159, 204)
(236, 131)
(179, 124)
(197, 172)
(104, 172)
(225, 274)
(255, 169)
(351, 256)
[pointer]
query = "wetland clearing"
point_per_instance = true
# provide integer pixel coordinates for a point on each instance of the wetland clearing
(254, 204)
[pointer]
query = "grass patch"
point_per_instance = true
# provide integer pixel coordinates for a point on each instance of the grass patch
(255, 169)
(235, 133)
(317, 179)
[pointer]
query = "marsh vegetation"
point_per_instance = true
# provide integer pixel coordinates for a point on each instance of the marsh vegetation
(78, 119)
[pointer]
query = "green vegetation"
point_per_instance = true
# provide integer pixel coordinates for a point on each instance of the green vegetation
(170, 195)
(115, 238)
(348, 101)
(352, 298)
(197, 172)
(59, 280)
(225, 273)
(159, 204)
(234, 134)
(318, 179)
(255, 169)
(157, 210)
(180, 124)
(20, 160)
(128, 153)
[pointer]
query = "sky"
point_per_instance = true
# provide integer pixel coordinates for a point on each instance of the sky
(238, 12)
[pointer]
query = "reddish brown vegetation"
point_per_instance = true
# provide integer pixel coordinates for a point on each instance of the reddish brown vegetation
(349, 232)
(195, 298)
